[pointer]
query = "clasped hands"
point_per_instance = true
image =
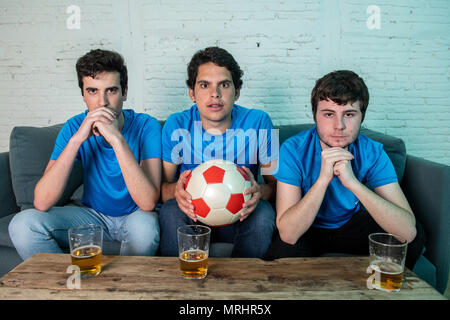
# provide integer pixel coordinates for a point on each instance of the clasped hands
(336, 162)
(102, 121)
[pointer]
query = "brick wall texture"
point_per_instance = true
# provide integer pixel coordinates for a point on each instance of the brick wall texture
(401, 48)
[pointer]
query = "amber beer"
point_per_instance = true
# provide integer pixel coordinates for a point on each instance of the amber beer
(193, 249)
(194, 264)
(88, 259)
(387, 261)
(388, 275)
(86, 249)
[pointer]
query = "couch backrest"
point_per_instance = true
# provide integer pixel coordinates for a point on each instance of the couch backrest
(8, 203)
(29, 152)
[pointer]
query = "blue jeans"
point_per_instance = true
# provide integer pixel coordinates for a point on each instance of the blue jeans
(251, 238)
(33, 231)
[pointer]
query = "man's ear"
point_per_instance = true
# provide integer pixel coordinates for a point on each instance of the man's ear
(237, 94)
(192, 94)
(124, 94)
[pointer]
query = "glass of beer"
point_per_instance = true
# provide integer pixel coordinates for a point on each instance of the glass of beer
(193, 248)
(86, 249)
(387, 261)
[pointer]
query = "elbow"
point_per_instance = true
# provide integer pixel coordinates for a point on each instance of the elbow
(43, 201)
(412, 235)
(287, 237)
(148, 206)
(288, 240)
(39, 205)
(413, 232)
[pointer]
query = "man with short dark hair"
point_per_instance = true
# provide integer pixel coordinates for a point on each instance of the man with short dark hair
(322, 176)
(217, 128)
(120, 151)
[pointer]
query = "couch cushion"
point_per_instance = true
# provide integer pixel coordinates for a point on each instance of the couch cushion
(5, 240)
(7, 198)
(394, 147)
(30, 150)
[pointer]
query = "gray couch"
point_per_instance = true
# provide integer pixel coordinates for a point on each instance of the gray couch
(425, 183)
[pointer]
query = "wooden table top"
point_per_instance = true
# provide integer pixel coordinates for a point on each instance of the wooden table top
(44, 276)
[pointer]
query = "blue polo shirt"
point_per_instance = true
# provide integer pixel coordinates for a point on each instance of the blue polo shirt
(300, 163)
(251, 139)
(104, 186)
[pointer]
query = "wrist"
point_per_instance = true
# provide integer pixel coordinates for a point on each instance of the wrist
(323, 181)
(118, 142)
(76, 141)
(353, 185)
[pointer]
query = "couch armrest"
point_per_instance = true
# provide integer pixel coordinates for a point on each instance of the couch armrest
(427, 185)
(7, 199)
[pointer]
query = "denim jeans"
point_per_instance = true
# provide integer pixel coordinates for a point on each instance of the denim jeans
(251, 237)
(33, 231)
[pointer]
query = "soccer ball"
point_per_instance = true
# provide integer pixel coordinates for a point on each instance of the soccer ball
(217, 189)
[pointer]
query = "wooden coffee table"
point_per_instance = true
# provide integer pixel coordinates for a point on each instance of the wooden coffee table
(44, 276)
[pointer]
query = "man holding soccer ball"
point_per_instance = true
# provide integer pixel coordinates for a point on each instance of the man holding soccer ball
(216, 128)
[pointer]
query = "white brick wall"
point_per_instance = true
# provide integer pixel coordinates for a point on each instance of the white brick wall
(282, 46)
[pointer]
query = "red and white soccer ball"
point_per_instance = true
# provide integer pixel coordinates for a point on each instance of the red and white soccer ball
(217, 189)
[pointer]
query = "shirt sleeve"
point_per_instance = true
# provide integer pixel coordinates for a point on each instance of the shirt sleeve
(174, 140)
(63, 138)
(288, 166)
(151, 142)
(167, 143)
(382, 171)
(268, 141)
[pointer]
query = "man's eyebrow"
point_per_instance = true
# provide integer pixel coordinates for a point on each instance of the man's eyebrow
(109, 88)
(222, 81)
(330, 110)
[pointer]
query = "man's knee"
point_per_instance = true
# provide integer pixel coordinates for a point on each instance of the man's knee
(143, 223)
(24, 222)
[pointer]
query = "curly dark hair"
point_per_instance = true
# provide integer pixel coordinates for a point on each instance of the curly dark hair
(218, 56)
(98, 61)
(341, 86)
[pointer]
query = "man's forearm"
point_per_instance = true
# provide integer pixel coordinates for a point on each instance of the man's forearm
(389, 216)
(168, 191)
(141, 188)
(268, 191)
(50, 187)
(293, 223)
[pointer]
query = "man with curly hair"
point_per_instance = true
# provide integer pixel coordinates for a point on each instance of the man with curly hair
(213, 128)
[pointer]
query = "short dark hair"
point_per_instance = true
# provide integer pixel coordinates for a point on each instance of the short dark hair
(98, 61)
(340, 86)
(218, 56)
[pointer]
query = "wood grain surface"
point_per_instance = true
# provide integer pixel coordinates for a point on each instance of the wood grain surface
(44, 276)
